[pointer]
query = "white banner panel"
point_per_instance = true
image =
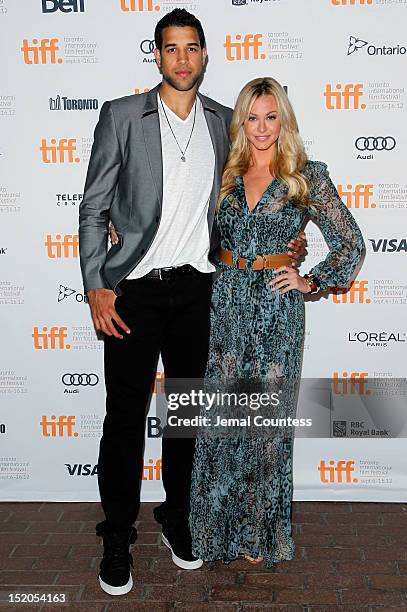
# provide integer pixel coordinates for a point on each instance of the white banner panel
(344, 65)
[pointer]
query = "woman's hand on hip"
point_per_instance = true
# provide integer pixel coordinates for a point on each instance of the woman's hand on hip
(288, 278)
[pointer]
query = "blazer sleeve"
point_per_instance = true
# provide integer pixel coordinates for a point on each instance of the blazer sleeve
(100, 188)
(339, 228)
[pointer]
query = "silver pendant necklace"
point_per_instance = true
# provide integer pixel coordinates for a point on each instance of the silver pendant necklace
(183, 158)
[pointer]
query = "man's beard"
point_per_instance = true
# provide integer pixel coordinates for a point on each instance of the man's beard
(185, 86)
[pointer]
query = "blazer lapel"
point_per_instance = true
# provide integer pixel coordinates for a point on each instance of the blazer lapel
(152, 138)
(220, 145)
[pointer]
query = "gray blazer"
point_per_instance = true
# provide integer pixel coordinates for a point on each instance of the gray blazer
(124, 183)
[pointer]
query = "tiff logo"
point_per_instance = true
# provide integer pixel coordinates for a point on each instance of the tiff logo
(52, 339)
(59, 151)
(344, 98)
(65, 6)
(41, 52)
(350, 2)
(356, 384)
(354, 295)
(62, 246)
(152, 470)
(138, 5)
(353, 197)
(248, 49)
(340, 473)
(60, 428)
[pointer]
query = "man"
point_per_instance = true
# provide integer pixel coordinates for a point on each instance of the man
(155, 171)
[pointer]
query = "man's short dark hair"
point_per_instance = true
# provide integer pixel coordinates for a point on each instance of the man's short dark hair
(179, 18)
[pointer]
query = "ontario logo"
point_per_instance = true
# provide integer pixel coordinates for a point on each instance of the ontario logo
(64, 293)
(357, 44)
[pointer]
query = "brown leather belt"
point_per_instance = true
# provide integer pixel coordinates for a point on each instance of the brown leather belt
(260, 263)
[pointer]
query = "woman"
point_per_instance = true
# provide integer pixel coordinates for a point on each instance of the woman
(242, 485)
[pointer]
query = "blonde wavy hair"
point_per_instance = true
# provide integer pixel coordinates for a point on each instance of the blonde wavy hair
(291, 156)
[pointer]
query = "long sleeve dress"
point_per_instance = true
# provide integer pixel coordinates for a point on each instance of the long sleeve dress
(242, 486)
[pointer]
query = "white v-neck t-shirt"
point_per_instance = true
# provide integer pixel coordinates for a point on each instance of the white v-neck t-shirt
(183, 236)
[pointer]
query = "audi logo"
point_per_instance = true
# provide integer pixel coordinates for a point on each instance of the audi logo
(375, 143)
(147, 46)
(80, 380)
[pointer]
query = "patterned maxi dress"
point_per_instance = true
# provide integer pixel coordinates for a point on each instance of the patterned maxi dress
(242, 486)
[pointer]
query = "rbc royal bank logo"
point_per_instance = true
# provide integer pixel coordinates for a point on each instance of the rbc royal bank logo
(344, 97)
(138, 6)
(44, 51)
(245, 47)
(60, 151)
(65, 6)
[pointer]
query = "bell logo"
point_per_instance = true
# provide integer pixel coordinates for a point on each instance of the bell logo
(152, 471)
(337, 471)
(248, 49)
(356, 385)
(61, 428)
(65, 6)
(138, 6)
(344, 98)
(54, 338)
(59, 151)
(137, 90)
(350, 2)
(66, 246)
(355, 294)
(41, 52)
(354, 196)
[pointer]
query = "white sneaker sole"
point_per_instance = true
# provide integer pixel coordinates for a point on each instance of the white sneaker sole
(112, 590)
(187, 565)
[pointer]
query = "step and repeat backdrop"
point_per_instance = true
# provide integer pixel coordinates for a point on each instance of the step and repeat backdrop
(343, 63)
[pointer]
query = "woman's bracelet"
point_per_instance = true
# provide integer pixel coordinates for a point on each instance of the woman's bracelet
(313, 282)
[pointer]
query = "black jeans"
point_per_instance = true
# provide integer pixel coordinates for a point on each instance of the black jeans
(170, 317)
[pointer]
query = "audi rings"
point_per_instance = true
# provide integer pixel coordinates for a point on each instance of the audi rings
(80, 380)
(375, 143)
(147, 46)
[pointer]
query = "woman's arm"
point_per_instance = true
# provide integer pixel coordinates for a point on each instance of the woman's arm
(339, 228)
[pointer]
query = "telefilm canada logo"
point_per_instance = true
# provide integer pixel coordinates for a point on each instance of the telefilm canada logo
(63, 103)
(358, 44)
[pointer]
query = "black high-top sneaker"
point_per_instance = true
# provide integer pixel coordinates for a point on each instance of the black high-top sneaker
(115, 575)
(177, 537)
